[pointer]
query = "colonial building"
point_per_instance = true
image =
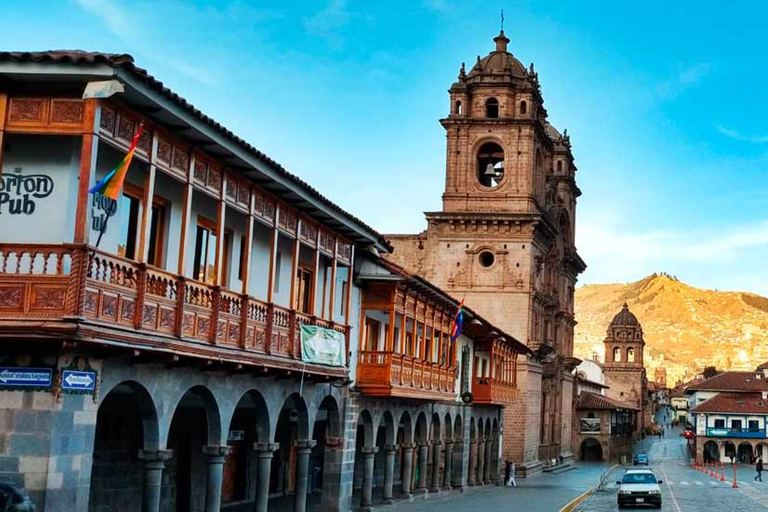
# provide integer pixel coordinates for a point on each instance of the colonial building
(220, 335)
(623, 367)
(504, 240)
(603, 428)
(730, 415)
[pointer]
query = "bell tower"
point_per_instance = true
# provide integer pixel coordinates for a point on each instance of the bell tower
(504, 239)
(624, 371)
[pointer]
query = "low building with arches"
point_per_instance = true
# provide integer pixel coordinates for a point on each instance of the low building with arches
(603, 428)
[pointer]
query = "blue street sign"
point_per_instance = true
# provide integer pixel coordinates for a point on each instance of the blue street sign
(25, 377)
(83, 381)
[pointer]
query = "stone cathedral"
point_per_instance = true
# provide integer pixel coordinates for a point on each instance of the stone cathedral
(504, 240)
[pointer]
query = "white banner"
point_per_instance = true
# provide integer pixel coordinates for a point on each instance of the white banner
(322, 346)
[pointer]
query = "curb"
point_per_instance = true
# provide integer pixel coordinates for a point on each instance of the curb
(575, 502)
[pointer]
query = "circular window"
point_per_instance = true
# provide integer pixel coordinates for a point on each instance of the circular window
(486, 259)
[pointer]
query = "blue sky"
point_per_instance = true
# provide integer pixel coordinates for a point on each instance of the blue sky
(665, 104)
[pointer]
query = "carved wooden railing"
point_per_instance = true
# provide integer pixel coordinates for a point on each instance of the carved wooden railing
(491, 391)
(377, 371)
(57, 281)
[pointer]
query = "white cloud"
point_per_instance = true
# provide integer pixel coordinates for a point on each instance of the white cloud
(759, 139)
(715, 258)
(114, 17)
(684, 79)
(328, 22)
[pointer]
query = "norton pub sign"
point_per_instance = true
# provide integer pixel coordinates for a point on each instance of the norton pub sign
(19, 194)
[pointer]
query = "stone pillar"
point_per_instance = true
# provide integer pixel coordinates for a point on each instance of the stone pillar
(389, 472)
(264, 452)
(448, 465)
(436, 466)
(472, 462)
(154, 462)
(488, 461)
(407, 465)
(421, 484)
(332, 499)
(480, 461)
(369, 455)
(303, 449)
(216, 456)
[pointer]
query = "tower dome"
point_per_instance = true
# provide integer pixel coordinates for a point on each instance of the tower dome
(625, 318)
(499, 61)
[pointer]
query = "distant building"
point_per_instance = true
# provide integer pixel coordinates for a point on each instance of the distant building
(661, 376)
(603, 427)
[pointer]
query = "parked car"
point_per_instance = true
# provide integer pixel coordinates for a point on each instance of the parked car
(639, 487)
(640, 459)
(14, 499)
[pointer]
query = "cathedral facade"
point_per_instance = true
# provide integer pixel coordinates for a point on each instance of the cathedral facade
(504, 240)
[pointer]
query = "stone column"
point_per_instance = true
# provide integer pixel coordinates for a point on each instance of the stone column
(407, 465)
(472, 462)
(369, 455)
(488, 461)
(421, 483)
(154, 462)
(480, 461)
(448, 465)
(303, 450)
(264, 452)
(216, 456)
(389, 472)
(436, 466)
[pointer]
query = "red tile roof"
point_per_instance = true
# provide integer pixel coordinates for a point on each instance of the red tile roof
(746, 403)
(743, 382)
(587, 400)
(126, 62)
(763, 366)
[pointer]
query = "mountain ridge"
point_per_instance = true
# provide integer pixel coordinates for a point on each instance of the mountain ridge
(685, 328)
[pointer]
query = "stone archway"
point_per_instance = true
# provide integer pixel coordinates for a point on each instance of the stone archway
(126, 442)
(745, 454)
(407, 447)
(711, 452)
(327, 454)
(365, 452)
(761, 451)
(422, 454)
(591, 450)
(457, 469)
(290, 463)
(198, 458)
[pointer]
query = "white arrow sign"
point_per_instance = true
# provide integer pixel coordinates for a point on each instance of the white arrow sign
(25, 377)
(79, 380)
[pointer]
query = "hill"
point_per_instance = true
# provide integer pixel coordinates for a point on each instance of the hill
(686, 328)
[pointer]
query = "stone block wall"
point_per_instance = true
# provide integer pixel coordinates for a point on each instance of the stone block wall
(522, 420)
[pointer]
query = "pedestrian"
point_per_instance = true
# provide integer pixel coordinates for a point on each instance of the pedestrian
(511, 482)
(759, 468)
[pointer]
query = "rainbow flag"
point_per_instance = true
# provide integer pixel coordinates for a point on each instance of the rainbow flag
(111, 184)
(458, 322)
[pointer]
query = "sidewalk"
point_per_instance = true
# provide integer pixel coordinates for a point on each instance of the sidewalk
(543, 492)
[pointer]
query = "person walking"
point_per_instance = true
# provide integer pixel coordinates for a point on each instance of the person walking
(759, 468)
(511, 482)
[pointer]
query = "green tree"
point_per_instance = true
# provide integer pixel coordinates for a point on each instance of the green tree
(710, 371)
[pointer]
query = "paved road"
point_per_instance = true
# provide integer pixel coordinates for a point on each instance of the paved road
(684, 489)
(541, 493)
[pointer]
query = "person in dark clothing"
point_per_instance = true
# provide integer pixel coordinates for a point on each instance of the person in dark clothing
(759, 468)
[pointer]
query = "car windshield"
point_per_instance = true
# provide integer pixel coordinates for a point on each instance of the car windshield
(639, 478)
(641, 457)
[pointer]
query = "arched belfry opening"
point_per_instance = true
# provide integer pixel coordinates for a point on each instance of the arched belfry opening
(492, 108)
(490, 164)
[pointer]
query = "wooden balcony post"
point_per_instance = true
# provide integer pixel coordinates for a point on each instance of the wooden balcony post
(146, 213)
(315, 276)
(246, 258)
(295, 264)
(350, 280)
(81, 262)
(185, 217)
(334, 263)
(391, 331)
(3, 103)
(401, 341)
(181, 294)
(220, 278)
(273, 257)
(88, 153)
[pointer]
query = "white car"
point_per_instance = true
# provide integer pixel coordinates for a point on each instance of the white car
(639, 487)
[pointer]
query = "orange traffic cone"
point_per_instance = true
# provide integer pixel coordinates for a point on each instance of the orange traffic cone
(722, 472)
(735, 485)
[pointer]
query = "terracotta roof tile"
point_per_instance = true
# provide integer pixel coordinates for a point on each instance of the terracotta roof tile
(732, 381)
(587, 400)
(125, 61)
(747, 403)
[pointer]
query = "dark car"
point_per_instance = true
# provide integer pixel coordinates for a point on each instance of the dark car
(640, 459)
(639, 487)
(13, 499)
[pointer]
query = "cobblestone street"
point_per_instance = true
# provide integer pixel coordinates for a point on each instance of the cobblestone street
(685, 489)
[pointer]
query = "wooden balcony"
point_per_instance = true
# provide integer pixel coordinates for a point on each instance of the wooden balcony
(490, 391)
(391, 374)
(123, 302)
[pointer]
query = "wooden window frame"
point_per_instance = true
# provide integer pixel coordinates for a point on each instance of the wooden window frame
(205, 223)
(137, 193)
(303, 267)
(163, 203)
(372, 334)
